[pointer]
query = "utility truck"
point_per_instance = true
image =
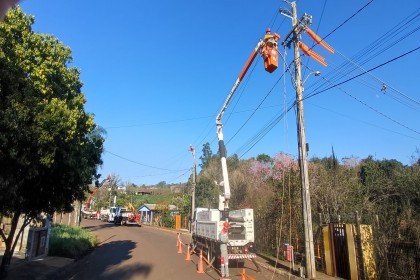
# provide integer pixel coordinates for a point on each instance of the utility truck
(208, 223)
(87, 211)
(126, 216)
(108, 214)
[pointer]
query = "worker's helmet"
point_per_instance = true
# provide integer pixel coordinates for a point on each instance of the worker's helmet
(226, 225)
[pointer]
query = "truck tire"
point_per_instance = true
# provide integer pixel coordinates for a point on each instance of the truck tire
(211, 254)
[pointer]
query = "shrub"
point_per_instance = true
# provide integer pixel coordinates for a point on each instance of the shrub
(70, 241)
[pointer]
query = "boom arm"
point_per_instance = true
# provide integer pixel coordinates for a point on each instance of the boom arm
(219, 126)
(87, 203)
(269, 53)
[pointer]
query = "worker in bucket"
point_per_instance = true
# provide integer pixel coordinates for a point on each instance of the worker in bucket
(224, 240)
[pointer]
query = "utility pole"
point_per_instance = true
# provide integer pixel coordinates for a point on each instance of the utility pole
(194, 173)
(310, 271)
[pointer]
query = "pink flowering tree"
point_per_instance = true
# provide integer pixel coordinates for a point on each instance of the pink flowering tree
(283, 164)
(261, 170)
(279, 179)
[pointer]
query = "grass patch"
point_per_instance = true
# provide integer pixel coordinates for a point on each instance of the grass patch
(70, 241)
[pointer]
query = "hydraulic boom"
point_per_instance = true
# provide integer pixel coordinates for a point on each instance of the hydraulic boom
(268, 50)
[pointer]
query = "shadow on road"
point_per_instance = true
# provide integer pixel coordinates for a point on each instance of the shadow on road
(128, 272)
(117, 252)
(98, 227)
(103, 263)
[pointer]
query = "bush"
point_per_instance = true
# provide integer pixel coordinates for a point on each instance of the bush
(70, 241)
(168, 221)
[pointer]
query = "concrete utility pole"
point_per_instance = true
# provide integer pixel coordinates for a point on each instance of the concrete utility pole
(194, 173)
(310, 271)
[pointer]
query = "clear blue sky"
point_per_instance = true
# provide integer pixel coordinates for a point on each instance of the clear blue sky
(156, 73)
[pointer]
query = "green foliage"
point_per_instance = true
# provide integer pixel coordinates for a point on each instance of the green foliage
(264, 158)
(50, 147)
(233, 162)
(70, 241)
(384, 192)
(168, 221)
(161, 185)
(207, 154)
(183, 202)
(206, 193)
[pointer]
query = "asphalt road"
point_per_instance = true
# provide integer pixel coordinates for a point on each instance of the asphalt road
(144, 253)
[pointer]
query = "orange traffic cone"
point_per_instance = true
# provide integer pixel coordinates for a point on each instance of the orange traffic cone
(243, 274)
(180, 248)
(200, 264)
(188, 258)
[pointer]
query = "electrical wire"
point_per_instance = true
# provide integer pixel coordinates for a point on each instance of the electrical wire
(173, 180)
(244, 149)
(253, 141)
(250, 144)
(368, 106)
(316, 31)
(347, 20)
(365, 72)
(142, 164)
(397, 30)
(256, 109)
(159, 123)
(362, 121)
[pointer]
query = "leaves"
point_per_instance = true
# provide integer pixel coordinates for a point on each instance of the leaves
(51, 147)
(271, 186)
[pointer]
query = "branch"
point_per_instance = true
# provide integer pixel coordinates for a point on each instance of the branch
(27, 220)
(3, 235)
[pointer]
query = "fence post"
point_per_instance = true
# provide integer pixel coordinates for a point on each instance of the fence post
(417, 258)
(321, 243)
(359, 249)
(385, 249)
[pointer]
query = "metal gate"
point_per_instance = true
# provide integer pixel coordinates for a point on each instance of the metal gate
(340, 250)
(37, 245)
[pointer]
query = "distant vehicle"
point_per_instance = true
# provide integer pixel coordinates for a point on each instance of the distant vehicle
(108, 214)
(127, 216)
(87, 211)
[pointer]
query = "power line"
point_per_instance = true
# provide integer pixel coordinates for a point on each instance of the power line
(348, 19)
(377, 111)
(365, 104)
(363, 121)
(264, 131)
(400, 29)
(142, 164)
(171, 181)
(361, 74)
(255, 110)
(272, 124)
(162, 122)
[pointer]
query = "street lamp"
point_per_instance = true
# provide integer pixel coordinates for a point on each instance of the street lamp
(316, 73)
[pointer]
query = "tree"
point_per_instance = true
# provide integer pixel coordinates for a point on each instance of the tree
(207, 155)
(50, 147)
(264, 158)
(232, 162)
(161, 185)
(131, 189)
(206, 192)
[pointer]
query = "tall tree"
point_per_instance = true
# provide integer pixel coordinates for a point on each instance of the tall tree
(50, 147)
(264, 158)
(206, 193)
(207, 155)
